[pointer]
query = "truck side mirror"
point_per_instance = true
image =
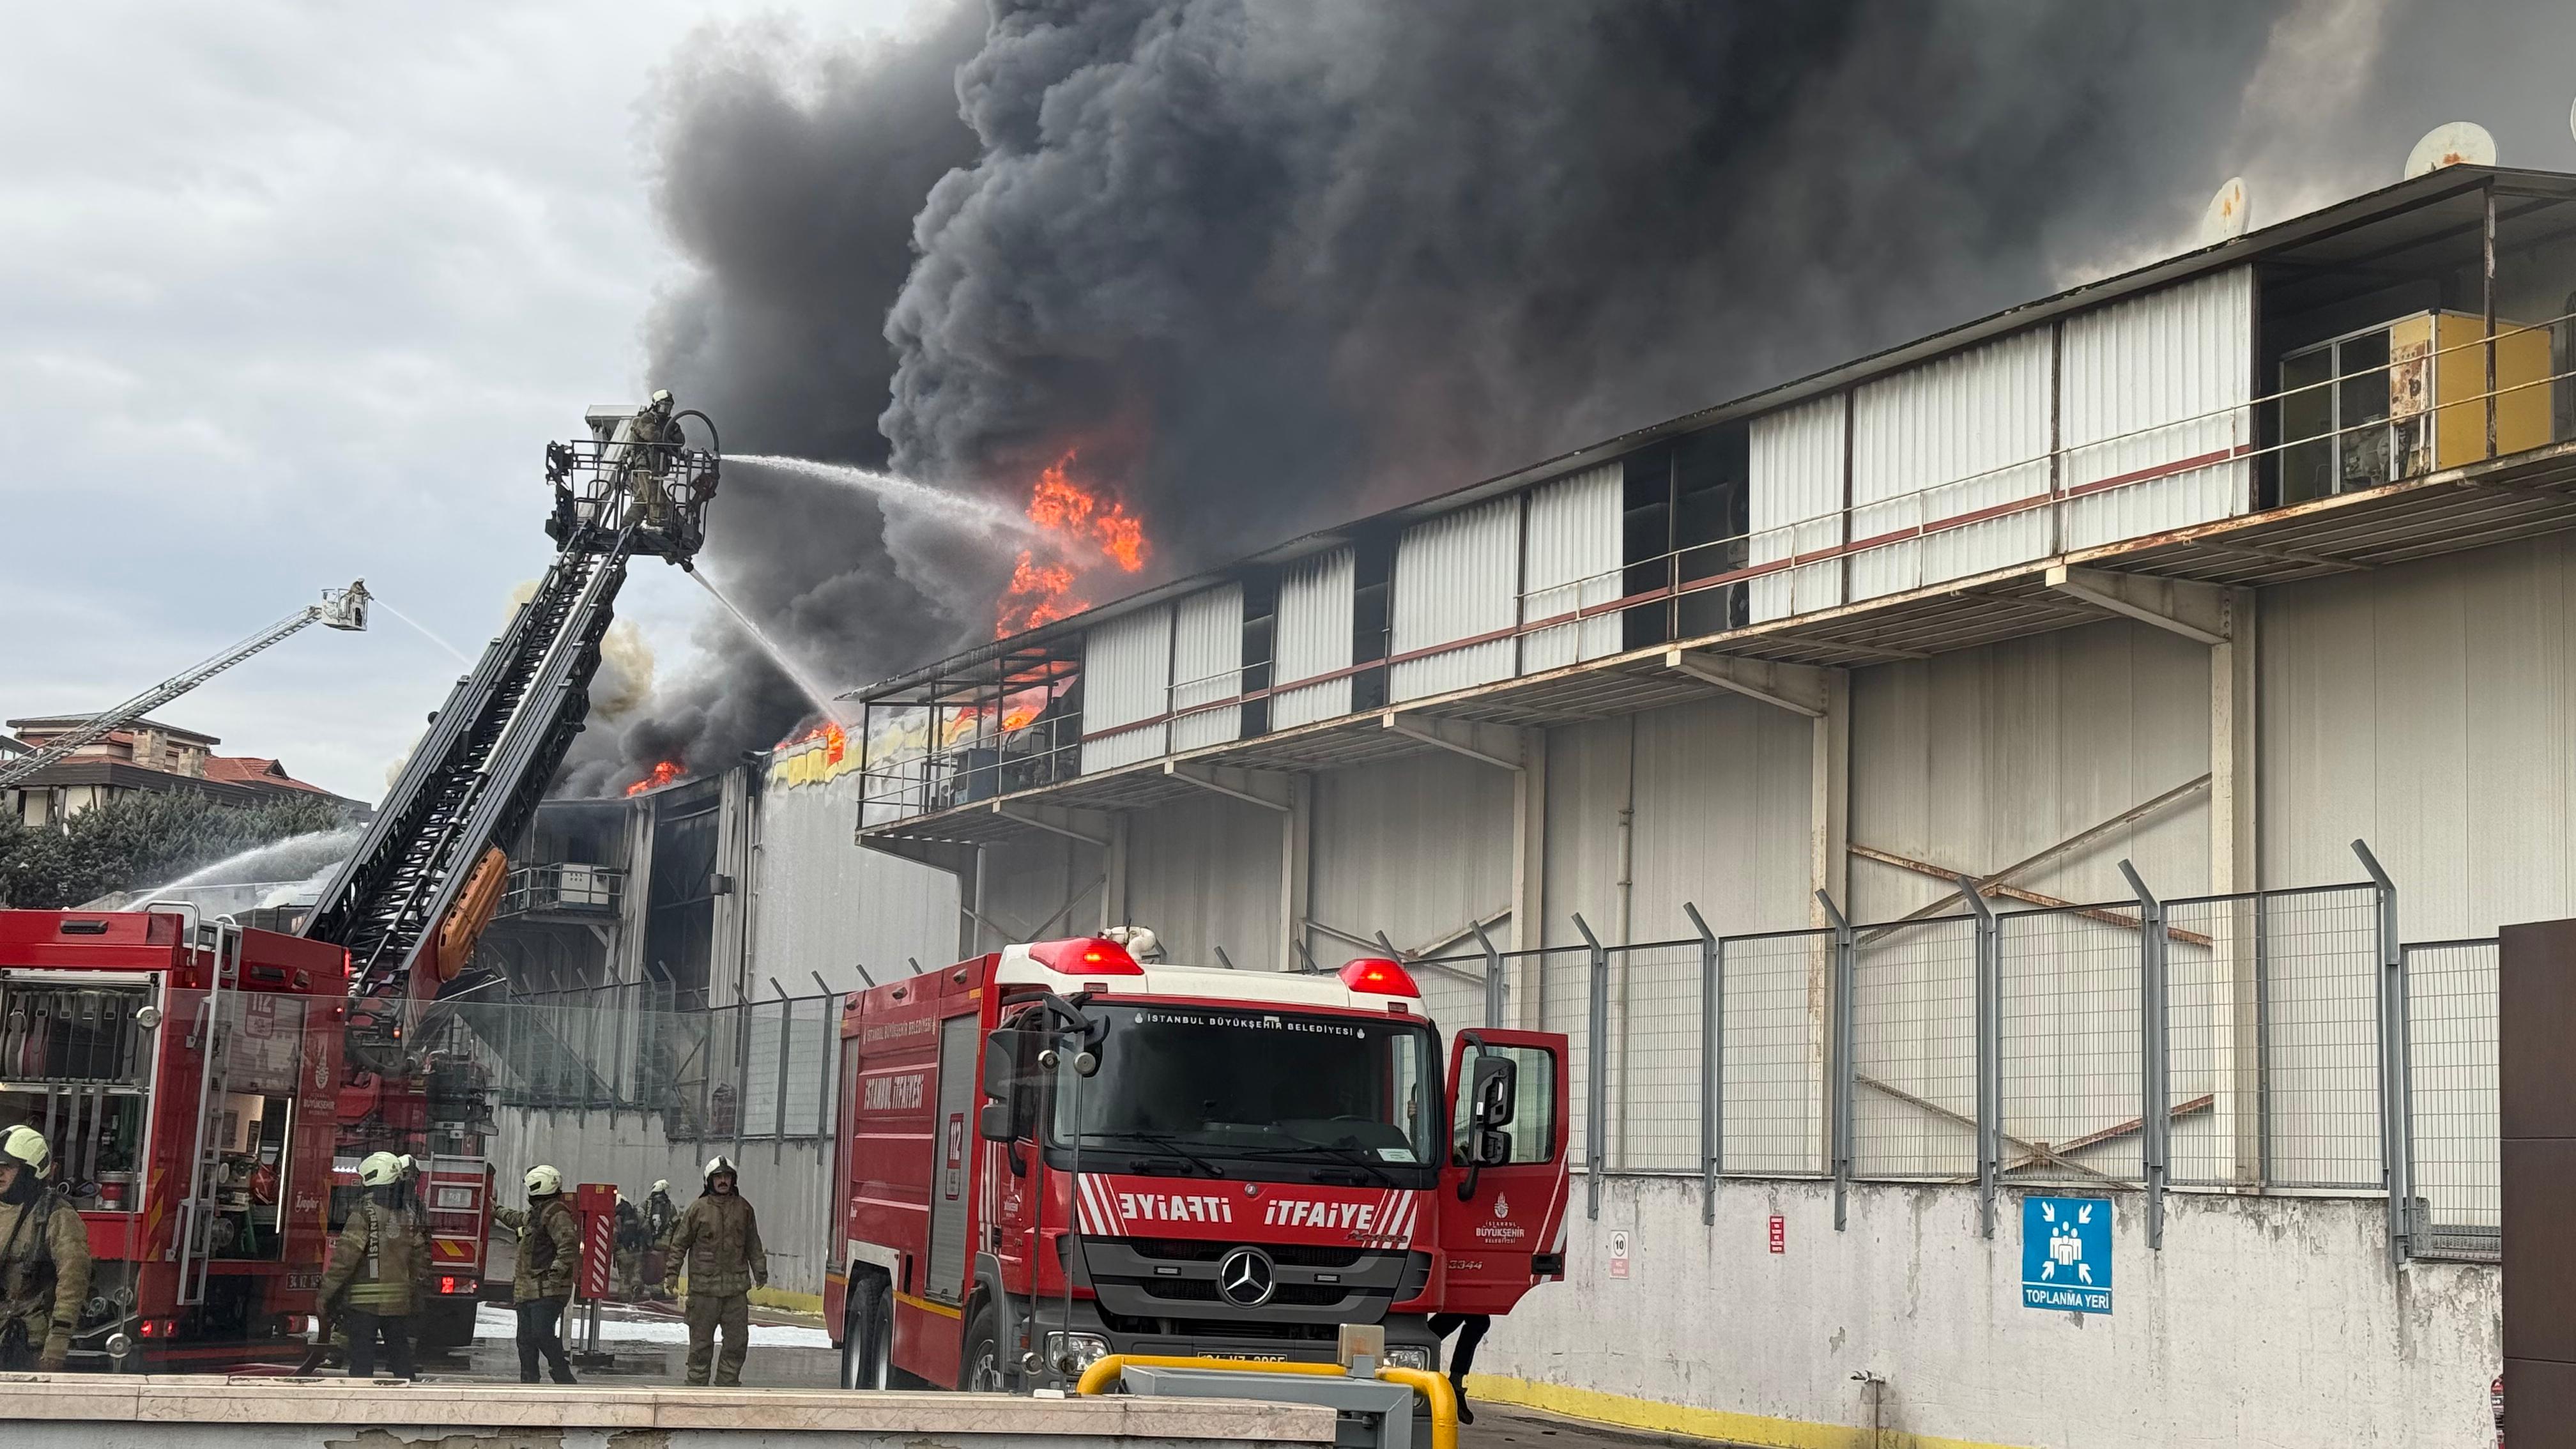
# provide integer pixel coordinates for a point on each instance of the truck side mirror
(1493, 1147)
(994, 1123)
(1493, 1089)
(1006, 1054)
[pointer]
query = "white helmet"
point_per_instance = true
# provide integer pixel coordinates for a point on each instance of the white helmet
(27, 1145)
(380, 1169)
(544, 1181)
(716, 1164)
(661, 1184)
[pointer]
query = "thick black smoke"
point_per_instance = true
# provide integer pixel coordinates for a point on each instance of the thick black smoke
(1272, 264)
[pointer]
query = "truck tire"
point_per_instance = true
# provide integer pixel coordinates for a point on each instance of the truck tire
(867, 1335)
(447, 1323)
(979, 1370)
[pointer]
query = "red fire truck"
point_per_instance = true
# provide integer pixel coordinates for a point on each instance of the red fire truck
(1057, 1152)
(187, 1076)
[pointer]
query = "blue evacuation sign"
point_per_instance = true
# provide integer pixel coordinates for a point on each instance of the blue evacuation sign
(2066, 1254)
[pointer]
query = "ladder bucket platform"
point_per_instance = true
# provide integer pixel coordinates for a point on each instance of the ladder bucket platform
(93, 1411)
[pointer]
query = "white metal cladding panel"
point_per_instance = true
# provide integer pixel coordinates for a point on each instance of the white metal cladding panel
(1975, 759)
(1207, 666)
(1416, 847)
(821, 903)
(1204, 872)
(1946, 442)
(1570, 561)
(2422, 707)
(1312, 636)
(1796, 507)
(1456, 577)
(2151, 382)
(1126, 677)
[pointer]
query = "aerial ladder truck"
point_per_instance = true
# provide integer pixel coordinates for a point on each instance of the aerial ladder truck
(221, 1082)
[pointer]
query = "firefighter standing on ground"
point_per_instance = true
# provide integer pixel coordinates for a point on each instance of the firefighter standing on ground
(44, 1258)
(660, 1216)
(549, 1256)
(718, 1237)
(377, 1262)
(630, 1241)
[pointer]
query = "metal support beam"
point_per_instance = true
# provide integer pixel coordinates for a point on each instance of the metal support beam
(2235, 867)
(1091, 827)
(2194, 610)
(1457, 737)
(2396, 1070)
(1234, 784)
(1990, 1058)
(1296, 862)
(1712, 1061)
(1529, 874)
(1801, 689)
(1986, 883)
(1113, 877)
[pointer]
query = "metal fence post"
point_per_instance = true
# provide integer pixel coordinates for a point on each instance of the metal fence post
(1493, 977)
(2396, 1087)
(2155, 1119)
(1840, 1052)
(1990, 1056)
(778, 1073)
(1596, 1049)
(1712, 1062)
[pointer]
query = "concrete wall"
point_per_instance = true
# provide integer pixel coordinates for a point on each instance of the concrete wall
(2263, 1321)
(787, 1183)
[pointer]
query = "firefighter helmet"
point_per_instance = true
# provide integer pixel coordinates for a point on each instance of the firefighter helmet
(661, 1184)
(719, 1164)
(27, 1145)
(379, 1170)
(544, 1181)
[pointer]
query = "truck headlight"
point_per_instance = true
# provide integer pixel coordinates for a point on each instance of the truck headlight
(1408, 1356)
(1073, 1352)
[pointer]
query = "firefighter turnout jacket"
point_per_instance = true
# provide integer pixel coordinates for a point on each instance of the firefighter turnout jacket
(379, 1260)
(44, 1271)
(549, 1249)
(718, 1237)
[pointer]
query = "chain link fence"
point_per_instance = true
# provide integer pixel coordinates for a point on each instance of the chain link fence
(2275, 1041)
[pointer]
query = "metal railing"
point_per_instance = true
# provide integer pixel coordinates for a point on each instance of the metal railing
(2278, 1041)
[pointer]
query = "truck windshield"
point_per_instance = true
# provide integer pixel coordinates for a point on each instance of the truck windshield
(1261, 1094)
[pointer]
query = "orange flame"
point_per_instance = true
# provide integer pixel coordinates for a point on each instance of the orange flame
(1080, 521)
(663, 774)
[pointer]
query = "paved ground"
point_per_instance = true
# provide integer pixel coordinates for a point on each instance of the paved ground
(786, 1354)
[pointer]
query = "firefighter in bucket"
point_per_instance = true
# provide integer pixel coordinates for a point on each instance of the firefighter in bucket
(44, 1258)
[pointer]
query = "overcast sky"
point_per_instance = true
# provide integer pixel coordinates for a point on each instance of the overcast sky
(295, 293)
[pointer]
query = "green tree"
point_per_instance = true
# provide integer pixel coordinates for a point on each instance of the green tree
(142, 840)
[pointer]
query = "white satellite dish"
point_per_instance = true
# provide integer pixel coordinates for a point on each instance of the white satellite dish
(2228, 212)
(2454, 143)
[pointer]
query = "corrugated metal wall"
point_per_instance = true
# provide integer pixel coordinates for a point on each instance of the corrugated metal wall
(1126, 676)
(1207, 666)
(2139, 378)
(820, 903)
(1951, 440)
(1974, 760)
(1570, 560)
(1796, 506)
(1027, 882)
(1311, 637)
(2430, 709)
(1415, 847)
(1204, 872)
(1456, 577)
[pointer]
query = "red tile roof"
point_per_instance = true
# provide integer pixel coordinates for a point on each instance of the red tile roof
(252, 770)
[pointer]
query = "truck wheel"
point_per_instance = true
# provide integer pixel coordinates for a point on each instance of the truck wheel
(446, 1324)
(981, 1370)
(867, 1335)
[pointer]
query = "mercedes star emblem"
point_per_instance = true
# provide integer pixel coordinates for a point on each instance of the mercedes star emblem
(1245, 1278)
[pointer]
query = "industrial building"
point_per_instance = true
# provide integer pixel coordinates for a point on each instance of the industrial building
(2138, 606)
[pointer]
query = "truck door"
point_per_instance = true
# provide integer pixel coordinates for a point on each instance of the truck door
(951, 1149)
(1495, 1220)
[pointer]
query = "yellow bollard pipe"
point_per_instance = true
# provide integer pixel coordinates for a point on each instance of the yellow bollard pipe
(1444, 1401)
